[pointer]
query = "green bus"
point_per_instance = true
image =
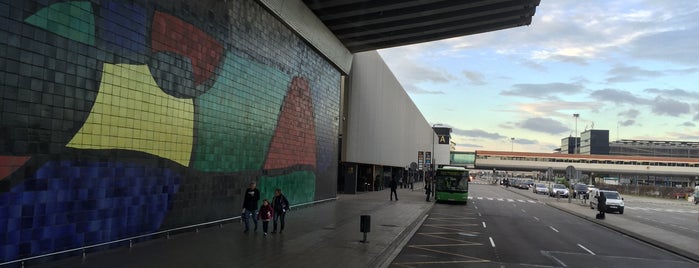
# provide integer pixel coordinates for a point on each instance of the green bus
(451, 184)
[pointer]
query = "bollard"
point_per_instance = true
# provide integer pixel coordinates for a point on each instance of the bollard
(364, 226)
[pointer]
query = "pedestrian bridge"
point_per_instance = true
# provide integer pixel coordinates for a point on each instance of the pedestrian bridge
(599, 164)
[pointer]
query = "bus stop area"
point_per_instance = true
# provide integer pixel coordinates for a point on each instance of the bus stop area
(314, 236)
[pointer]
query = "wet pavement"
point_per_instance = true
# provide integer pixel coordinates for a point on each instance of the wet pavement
(322, 235)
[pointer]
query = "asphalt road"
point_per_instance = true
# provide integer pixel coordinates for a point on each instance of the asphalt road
(499, 228)
(681, 219)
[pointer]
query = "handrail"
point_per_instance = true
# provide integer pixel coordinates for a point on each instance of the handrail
(146, 235)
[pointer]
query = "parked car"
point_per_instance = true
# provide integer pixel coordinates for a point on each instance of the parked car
(614, 200)
(558, 190)
(540, 188)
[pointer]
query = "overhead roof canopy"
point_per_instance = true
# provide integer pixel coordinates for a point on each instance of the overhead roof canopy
(363, 25)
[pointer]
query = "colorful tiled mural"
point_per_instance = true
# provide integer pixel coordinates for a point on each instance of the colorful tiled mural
(122, 118)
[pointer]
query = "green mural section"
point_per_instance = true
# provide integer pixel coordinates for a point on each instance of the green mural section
(73, 20)
(236, 118)
(299, 187)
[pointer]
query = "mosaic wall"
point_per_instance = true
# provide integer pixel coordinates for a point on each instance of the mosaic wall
(126, 117)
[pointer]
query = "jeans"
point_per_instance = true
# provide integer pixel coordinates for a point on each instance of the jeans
(278, 216)
(250, 214)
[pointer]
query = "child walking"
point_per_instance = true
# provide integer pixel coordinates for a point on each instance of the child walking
(265, 215)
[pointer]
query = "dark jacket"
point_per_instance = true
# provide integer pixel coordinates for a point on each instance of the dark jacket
(394, 184)
(601, 202)
(252, 196)
(265, 213)
(280, 204)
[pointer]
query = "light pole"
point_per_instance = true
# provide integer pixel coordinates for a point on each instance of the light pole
(577, 140)
(512, 143)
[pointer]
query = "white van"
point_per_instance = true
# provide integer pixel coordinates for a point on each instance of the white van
(614, 200)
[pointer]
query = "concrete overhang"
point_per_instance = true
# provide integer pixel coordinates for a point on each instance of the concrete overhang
(363, 25)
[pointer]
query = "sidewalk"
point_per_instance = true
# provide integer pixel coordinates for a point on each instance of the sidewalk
(321, 235)
(679, 244)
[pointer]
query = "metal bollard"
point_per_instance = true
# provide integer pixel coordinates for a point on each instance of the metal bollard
(364, 226)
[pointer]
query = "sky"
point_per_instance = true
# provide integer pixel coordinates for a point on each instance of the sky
(627, 66)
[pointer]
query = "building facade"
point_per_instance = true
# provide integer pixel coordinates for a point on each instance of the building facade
(125, 118)
(594, 141)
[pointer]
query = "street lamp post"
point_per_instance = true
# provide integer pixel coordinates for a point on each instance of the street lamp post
(512, 143)
(577, 139)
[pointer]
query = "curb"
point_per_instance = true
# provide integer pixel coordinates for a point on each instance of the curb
(655, 243)
(386, 257)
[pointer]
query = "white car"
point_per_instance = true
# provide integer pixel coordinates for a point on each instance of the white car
(540, 188)
(614, 200)
(558, 189)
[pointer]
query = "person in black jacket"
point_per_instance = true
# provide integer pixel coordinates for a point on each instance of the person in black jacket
(252, 196)
(394, 186)
(601, 204)
(280, 205)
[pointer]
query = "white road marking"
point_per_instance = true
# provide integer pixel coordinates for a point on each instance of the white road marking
(554, 229)
(531, 201)
(524, 211)
(520, 200)
(501, 199)
(590, 251)
(479, 214)
(480, 198)
(537, 219)
(492, 243)
(484, 225)
(470, 198)
(510, 200)
(490, 198)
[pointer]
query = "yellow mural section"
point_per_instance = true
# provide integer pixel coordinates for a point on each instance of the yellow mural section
(132, 113)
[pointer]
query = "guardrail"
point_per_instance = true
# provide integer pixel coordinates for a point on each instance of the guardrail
(131, 239)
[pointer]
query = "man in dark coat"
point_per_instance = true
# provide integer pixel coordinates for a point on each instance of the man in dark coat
(601, 204)
(252, 196)
(394, 185)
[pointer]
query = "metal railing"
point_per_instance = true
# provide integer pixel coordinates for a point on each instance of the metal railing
(131, 239)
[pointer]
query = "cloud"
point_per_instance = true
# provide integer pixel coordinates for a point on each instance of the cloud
(617, 96)
(477, 133)
(627, 123)
(631, 113)
(696, 117)
(555, 108)
(656, 46)
(542, 90)
(688, 124)
(418, 90)
(664, 106)
(544, 125)
(525, 141)
(474, 77)
(674, 93)
(630, 73)
(469, 145)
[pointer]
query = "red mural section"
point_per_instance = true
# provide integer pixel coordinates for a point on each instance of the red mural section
(9, 164)
(171, 34)
(294, 140)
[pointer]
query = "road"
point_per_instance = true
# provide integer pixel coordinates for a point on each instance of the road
(677, 217)
(499, 228)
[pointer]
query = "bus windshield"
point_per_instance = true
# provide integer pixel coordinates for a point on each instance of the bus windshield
(451, 180)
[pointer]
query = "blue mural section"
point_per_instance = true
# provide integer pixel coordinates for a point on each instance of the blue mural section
(71, 204)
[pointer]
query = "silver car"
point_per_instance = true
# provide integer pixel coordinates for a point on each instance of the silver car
(558, 190)
(540, 188)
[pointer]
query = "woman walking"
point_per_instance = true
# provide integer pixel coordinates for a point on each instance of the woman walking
(280, 205)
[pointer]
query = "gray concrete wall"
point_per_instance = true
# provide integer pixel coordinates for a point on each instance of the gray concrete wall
(384, 127)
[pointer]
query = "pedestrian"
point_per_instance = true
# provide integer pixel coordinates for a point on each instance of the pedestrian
(428, 190)
(411, 181)
(280, 205)
(265, 215)
(394, 185)
(601, 204)
(252, 196)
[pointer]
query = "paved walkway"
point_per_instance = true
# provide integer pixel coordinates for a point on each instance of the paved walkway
(322, 235)
(679, 244)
